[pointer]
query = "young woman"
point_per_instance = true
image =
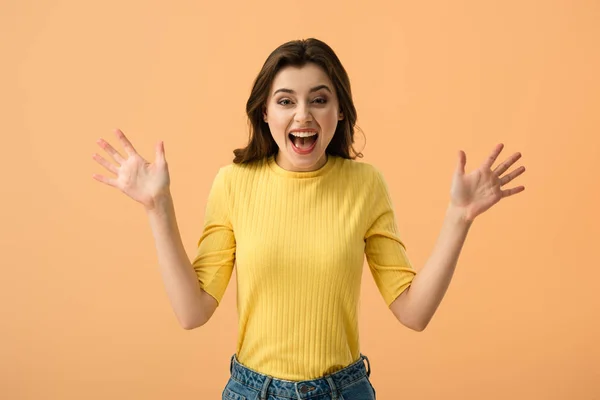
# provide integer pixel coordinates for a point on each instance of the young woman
(297, 215)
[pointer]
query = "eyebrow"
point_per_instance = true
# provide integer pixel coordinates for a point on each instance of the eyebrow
(316, 88)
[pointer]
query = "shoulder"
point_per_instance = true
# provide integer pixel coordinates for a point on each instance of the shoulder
(360, 170)
(233, 172)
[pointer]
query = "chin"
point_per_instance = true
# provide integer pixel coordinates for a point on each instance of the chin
(307, 161)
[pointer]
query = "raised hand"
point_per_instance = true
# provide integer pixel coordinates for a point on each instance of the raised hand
(479, 190)
(144, 182)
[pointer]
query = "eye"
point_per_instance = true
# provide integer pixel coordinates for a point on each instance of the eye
(318, 100)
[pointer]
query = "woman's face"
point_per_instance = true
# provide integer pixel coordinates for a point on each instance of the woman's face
(304, 99)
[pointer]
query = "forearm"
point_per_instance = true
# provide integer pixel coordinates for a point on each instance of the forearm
(430, 284)
(178, 276)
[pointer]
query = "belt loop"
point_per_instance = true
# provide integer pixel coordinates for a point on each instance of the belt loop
(231, 364)
(263, 392)
(334, 389)
(368, 364)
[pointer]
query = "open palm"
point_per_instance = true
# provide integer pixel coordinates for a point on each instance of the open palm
(479, 190)
(137, 178)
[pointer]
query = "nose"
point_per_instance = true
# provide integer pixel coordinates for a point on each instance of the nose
(303, 114)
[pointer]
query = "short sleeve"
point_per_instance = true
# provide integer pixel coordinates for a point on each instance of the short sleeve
(385, 251)
(215, 256)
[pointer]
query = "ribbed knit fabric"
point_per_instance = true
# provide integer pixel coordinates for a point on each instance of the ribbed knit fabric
(299, 241)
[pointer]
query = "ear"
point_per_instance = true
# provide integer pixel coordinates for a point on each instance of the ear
(341, 116)
(265, 114)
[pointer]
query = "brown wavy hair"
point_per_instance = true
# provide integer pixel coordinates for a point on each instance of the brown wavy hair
(298, 53)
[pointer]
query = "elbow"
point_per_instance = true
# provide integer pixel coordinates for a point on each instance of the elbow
(413, 323)
(200, 314)
(414, 327)
(405, 314)
(190, 324)
(417, 326)
(189, 327)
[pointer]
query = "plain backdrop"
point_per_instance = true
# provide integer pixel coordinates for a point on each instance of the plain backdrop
(84, 314)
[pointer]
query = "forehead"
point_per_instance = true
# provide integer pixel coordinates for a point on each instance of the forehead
(300, 79)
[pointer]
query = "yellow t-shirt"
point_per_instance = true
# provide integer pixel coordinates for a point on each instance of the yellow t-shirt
(299, 240)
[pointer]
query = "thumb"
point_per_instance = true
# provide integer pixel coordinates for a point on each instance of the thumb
(462, 161)
(160, 150)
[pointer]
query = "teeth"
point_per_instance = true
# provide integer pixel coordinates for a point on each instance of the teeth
(303, 134)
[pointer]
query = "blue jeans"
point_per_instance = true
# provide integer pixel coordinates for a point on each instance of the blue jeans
(350, 383)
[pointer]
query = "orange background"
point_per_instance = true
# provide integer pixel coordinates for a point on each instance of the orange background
(84, 311)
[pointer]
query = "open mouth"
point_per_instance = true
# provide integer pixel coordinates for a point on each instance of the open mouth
(303, 142)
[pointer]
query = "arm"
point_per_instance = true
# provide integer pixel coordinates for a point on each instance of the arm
(192, 305)
(417, 304)
(471, 195)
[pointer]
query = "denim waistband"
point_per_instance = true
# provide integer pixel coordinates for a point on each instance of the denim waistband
(268, 385)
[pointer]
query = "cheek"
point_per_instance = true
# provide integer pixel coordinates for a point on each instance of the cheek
(330, 120)
(278, 126)
(278, 118)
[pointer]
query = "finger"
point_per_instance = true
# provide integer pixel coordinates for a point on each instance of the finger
(510, 192)
(492, 158)
(507, 178)
(160, 150)
(105, 163)
(462, 161)
(500, 169)
(109, 181)
(129, 149)
(110, 150)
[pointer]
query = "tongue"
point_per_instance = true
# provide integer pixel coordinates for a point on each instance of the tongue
(304, 143)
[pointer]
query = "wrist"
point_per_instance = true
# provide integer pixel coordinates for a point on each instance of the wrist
(160, 202)
(459, 215)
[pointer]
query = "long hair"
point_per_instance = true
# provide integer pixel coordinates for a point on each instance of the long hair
(298, 53)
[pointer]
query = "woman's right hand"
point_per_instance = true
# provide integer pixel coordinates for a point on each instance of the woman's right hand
(142, 181)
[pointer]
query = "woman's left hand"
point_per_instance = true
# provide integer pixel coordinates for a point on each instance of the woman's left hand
(479, 190)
